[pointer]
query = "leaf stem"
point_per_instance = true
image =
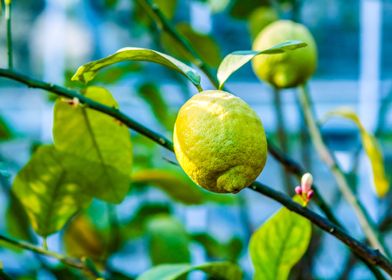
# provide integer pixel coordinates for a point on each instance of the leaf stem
(370, 256)
(9, 33)
(315, 134)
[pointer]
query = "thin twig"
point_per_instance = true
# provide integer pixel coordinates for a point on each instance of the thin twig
(73, 262)
(364, 219)
(373, 257)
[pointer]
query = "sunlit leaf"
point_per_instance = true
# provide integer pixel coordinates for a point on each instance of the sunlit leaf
(87, 72)
(168, 240)
(216, 270)
(203, 44)
(279, 244)
(260, 18)
(235, 60)
(372, 149)
(176, 186)
(49, 192)
(81, 239)
(98, 140)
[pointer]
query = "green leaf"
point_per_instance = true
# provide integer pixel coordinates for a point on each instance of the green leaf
(372, 149)
(49, 192)
(87, 72)
(167, 7)
(153, 97)
(216, 270)
(173, 183)
(235, 60)
(168, 240)
(279, 244)
(99, 141)
(215, 249)
(5, 130)
(204, 45)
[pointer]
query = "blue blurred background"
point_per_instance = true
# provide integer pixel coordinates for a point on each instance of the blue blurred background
(354, 38)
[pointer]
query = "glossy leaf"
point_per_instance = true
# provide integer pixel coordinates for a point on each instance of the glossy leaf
(279, 244)
(235, 60)
(216, 270)
(87, 72)
(49, 192)
(203, 44)
(173, 183)
(99, 141)
(372, 149)
(168, 240)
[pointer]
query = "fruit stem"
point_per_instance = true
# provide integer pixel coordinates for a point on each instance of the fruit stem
(9, 33)
(364, 219)
(282, 135)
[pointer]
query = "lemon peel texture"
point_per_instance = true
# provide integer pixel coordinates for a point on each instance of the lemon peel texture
(219, 141)
(288, 69)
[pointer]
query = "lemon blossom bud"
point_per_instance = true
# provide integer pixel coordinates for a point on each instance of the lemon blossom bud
(306, 182)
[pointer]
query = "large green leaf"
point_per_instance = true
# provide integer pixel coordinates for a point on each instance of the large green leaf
(87, 72)
(204, 45)
(371, 148)
(168, 240)
(48, 191)
(279, 244)
(235, 60)
(99, 141)
(173, 183)
(216, 270)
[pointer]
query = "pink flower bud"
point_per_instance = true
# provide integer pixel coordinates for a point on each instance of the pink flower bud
(310, 194)
(298, 190)
(306, 182)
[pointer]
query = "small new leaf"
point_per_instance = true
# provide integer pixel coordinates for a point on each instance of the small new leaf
(371, 147)
(279, 244)
(235, 60)
(87, 72)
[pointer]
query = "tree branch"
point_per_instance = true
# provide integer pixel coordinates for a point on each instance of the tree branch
(373, 257)
(73, 262)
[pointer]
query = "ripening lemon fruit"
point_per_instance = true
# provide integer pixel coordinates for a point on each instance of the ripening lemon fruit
(288, 69)
(219, 141)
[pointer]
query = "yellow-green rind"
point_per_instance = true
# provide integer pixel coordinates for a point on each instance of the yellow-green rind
(288, 69)
(219, 141)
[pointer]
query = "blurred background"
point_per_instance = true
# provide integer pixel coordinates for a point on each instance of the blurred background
(53, 37)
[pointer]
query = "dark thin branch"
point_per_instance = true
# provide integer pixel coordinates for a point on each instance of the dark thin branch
(371, 256)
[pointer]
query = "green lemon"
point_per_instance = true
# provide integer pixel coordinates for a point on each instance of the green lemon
(288, 69)
(219, 141)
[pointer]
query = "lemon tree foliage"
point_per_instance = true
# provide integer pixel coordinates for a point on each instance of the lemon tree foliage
(279, 244)
(176, 186)
(260, 18)
(219, 141)
(87, 72)
(50, 193)
(98, 141)
(372, 149)
(168, 241)
(203, 44)
(235, 60)
(215, 270)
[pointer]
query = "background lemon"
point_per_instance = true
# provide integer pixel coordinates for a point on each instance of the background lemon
(288, 69)
(219, 141)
